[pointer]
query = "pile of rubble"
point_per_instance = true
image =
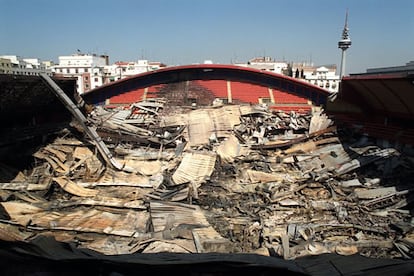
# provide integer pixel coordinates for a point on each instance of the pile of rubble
(228, 178)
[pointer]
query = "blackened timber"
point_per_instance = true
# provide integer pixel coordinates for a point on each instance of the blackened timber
(284, 144)
(106, 154)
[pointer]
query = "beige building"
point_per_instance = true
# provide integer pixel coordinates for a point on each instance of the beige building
(15, 65)
(5, 66)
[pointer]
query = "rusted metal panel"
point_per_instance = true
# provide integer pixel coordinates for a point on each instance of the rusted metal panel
(251, 180)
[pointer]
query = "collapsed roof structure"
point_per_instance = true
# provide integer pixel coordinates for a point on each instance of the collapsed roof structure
(238, 185)
(201, 84)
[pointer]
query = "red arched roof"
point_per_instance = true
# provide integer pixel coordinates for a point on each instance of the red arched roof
(232, 73)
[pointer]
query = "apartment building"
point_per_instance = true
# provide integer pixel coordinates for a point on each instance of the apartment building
(15, 65)
(87, 68)
(322, 76)
(124, 69)
(265, 64)
(93, 70)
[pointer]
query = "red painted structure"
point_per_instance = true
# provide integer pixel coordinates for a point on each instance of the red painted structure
(201, 84)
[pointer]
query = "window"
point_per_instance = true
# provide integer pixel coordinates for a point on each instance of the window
(76, 71)
(96, 79)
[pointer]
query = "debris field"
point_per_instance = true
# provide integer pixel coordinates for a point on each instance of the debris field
(225, 178)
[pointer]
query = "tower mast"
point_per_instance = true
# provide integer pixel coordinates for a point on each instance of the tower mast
(343, 44)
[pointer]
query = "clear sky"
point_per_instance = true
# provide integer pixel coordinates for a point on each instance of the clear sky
(179, 32)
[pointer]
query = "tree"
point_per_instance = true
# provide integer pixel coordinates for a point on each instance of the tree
(297, 73)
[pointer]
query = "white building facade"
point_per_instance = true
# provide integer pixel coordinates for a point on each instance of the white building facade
(88, 69)
(15, 65)
(322, 76)
(93, 71)
(122, 69)
(265, 64)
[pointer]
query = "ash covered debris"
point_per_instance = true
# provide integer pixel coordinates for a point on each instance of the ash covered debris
(228, 179)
